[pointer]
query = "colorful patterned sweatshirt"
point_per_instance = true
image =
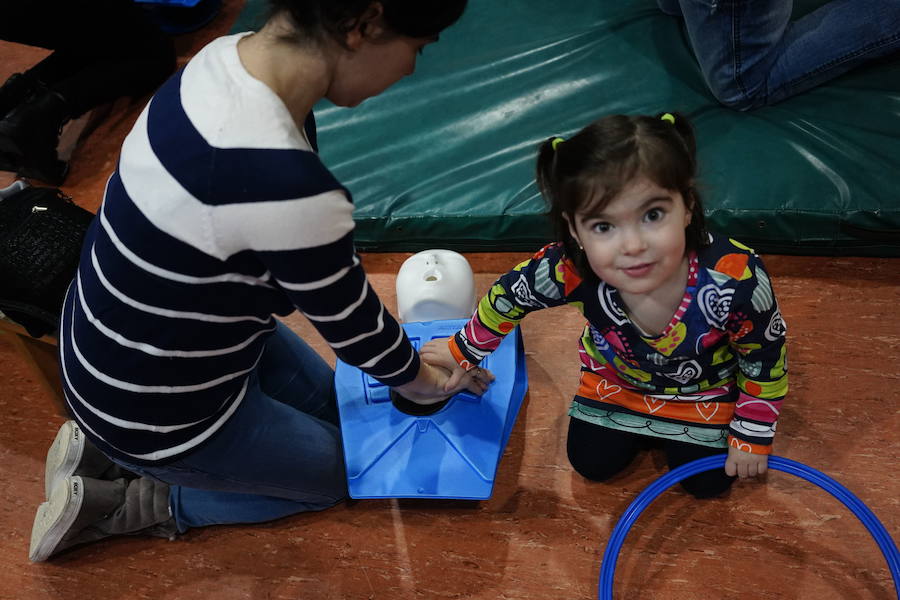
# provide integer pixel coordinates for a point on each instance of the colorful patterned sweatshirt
(716, 376)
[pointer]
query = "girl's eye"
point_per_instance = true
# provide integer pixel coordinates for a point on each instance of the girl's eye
(601, 227)
(654, 214)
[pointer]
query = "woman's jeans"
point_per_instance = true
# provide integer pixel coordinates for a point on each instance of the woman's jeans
(752, 55)
(279, 454)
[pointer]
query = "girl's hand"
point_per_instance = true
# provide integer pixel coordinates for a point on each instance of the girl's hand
(436, 352)
(743, 464)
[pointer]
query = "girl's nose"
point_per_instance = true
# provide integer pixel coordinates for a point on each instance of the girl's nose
(633, 242)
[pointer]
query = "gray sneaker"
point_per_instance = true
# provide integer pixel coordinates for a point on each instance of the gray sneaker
(84, 509)
(72, 454)
(55, 518)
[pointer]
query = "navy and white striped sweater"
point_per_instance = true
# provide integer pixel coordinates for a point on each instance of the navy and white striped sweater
(219, 216)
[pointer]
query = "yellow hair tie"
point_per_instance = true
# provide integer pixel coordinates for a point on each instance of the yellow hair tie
(556, 142)
(668, 117)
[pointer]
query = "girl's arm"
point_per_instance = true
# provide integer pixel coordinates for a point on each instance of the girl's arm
(540, 282)
(757, 334)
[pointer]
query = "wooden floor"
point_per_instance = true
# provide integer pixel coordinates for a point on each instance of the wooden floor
(542, 533)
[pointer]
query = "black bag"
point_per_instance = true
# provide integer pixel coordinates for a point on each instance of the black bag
(41, 232)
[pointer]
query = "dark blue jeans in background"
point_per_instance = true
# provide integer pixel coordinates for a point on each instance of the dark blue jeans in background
(753, 55)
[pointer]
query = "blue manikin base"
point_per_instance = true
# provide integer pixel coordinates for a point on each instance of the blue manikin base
(453, 453)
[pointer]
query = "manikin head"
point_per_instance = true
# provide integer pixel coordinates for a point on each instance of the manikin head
(435, 285)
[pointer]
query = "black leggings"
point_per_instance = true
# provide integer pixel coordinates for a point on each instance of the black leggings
(598, 453)
(103, 49)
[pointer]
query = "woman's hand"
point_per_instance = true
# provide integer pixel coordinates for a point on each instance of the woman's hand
(437, 352)
(743, 464)
(427, 387)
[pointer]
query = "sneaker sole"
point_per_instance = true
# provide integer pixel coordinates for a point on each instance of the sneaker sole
(63, 456)
(7, 144)
(54, 518)
(53, 170)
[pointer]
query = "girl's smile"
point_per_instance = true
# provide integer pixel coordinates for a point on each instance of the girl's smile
(638, 270)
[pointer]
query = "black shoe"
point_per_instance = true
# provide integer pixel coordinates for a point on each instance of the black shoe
(44, 167)
(29, 135)
(17, 89)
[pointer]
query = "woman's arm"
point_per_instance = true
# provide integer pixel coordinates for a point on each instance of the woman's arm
(306, 244)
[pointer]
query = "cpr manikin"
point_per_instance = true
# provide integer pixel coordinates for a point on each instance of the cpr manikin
(435, 285)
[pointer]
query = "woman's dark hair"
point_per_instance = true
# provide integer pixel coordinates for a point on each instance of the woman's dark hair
(320, 19)
(589, 169)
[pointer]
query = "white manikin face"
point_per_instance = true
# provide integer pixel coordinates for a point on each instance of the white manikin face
(435, 285)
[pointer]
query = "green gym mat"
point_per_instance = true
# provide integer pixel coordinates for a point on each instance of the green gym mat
(445, 158)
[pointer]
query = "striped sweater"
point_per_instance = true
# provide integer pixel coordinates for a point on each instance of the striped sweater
(218, 217)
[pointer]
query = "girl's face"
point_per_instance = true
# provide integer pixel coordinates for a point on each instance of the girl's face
(373, 65)
(637, 242)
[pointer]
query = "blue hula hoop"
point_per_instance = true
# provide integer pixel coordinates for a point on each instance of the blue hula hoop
(654, 490)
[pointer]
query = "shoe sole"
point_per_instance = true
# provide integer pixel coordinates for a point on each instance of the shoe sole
(49, 169)
(63, 456)
(54, 518)
(55, 176)
(8, 144)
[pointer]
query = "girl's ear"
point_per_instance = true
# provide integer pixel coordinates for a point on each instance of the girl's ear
(689, 202)
(572, 231)
(370, 25)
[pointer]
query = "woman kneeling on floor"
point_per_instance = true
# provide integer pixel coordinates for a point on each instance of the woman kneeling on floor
(192, 404)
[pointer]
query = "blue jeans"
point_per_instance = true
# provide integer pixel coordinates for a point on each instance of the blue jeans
(752, 55)
(279, 454)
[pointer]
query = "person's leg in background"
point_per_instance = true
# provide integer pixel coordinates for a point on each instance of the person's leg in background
(708, 484)
(670, 7)
(751, 53)
(102, 50)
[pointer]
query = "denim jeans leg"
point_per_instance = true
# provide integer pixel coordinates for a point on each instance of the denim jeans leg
(295, 374)
(830, 41)
(752, 55)
(670, 7)
(736, 43)
(271, 459)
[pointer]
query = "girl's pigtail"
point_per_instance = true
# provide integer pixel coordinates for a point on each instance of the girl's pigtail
(544, 171)
(684, 129)
(550, 155)
(697, 235)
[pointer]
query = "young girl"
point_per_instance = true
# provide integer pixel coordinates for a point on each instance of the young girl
(684, 340)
